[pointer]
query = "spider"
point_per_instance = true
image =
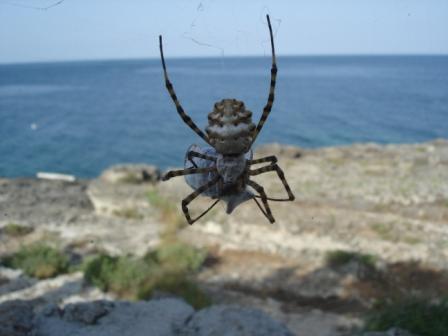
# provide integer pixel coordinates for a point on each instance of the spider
(223, 170)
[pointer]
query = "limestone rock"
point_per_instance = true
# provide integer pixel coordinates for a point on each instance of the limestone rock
(86, 312)
(15, 318)
(131, 173)
(232, 321)
(291, 152)
(42, 202)
(101, 318)
(390, 332)
(163, 317)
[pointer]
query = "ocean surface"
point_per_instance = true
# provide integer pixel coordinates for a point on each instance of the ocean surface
(81, 117)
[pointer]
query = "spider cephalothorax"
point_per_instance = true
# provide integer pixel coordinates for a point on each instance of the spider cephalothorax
(223, 170)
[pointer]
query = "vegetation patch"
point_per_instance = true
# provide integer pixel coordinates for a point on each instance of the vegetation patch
(128, 213)
(178, 256)
(39, 261)
(169, 214)
(167, 269)
(339, 258)
(16, 230)
(384, 231)
(418, 316)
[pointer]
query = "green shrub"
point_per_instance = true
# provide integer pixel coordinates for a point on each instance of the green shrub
(166, 269)
(339, 258)
(177, 256)
(39, 261)
(126, 276)
(16, 230)
(418, 316)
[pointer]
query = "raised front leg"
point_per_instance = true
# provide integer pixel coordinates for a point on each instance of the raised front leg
(185, 117)
(267, 108)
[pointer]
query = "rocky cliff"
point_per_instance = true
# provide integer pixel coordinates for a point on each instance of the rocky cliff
(369, 222)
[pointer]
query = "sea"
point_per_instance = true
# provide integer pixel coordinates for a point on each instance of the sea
(82, 117)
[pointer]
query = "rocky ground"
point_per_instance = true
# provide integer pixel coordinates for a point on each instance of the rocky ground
(384, 206)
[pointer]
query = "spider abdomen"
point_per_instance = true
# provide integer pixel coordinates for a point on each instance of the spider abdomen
(230, 128)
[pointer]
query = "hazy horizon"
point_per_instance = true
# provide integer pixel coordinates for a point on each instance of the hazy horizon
(119, 30)
(220, 57)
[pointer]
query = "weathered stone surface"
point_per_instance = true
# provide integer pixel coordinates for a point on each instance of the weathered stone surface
(285, 151)
(13, 280)
(41, 202)
(163, 317)
(65, 288)
(155, 318)
(390, 332)
(232, 321)
(131, 173)
(86, 312)
(16, 318)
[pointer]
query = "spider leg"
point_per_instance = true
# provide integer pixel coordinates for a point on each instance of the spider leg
(264, 199)
(187, 200)
(272, 159)
(268, 106)
(174, 173)
(192, 154)
(172, 93)
(280, 174)
(259, 206)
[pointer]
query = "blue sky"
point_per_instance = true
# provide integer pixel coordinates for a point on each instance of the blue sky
(117, 29)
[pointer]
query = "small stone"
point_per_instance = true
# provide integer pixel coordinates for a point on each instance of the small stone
(87, 312)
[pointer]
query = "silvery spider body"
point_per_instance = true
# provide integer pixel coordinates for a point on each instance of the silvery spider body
(222, 171)
(230, 130)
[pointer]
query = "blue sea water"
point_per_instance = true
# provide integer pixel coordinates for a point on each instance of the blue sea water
(81, 117)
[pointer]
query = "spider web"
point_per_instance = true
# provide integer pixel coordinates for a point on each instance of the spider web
(31, 4)
(205, 33)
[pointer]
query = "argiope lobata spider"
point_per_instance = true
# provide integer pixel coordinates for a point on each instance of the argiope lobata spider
(223, 170)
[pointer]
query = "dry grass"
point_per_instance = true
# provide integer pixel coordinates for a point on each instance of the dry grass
(169, 214)
(128, 213)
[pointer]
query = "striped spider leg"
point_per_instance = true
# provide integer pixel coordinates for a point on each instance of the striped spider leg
(264, 199)
(268, 107)
(187, 200)
(185, 117)
(192, 154)
(181, 172)
(272, 167)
